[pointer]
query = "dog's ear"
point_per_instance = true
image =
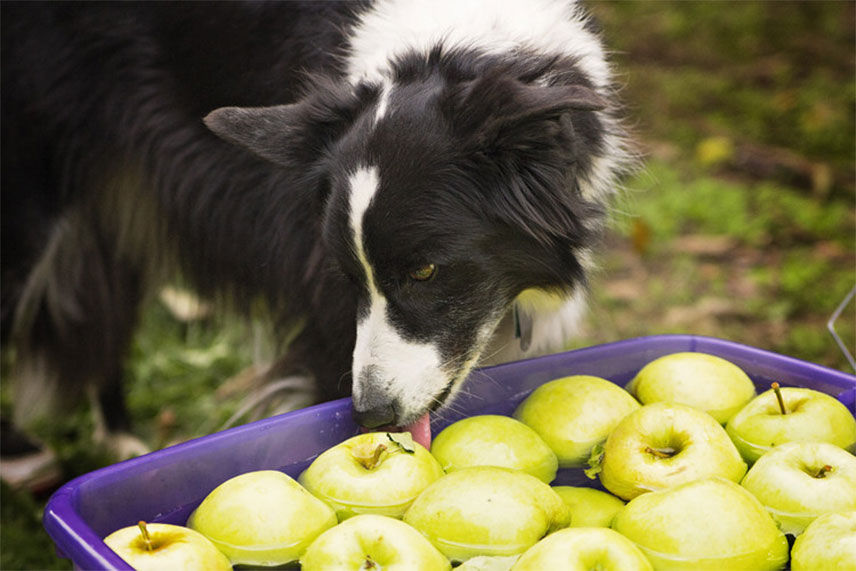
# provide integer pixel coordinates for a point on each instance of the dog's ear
(502, 114)
(293, 134)
(538, 139)
(267, 131)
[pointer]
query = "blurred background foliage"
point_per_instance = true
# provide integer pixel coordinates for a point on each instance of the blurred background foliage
(740, 225)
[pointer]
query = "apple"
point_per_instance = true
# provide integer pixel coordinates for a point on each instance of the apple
(488, 563)
(157, 546)
(376, 472)
(809, 415)
(373, 542)
(581, 549)
(493, 440)
(710, 524)
(589, 507)
(829, 542)
(486, 510)
(699, 380)
(799, 481)
(662, 445)
(261, 518)
(573, 414)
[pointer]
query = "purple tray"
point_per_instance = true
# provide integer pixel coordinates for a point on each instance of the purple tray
(165, 486)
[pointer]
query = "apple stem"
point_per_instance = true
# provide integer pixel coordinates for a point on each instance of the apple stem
(376, 456)
(778, 391)
(368, 564)
(369, 460)
(660, 453)
(146, 538)
(823, 471)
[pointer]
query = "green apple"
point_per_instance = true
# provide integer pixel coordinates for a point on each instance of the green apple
(710, 524)
(582, 549)
(261, 518)
(493, 440)
(665, 444)
(810, 416)
(573, 414)
(488, 563)
(157, 546)
(799, 481)
(486, 510)
(829, 542)
(699, 380)
(373, 542)
(376, 472)
(589, 507)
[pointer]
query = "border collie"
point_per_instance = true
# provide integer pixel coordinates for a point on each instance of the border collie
(412, 187)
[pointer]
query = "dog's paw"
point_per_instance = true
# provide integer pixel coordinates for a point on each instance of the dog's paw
(124, 446)
(276, 396)
(36, 471)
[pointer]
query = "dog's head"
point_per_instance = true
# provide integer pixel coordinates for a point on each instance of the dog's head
(449, 192)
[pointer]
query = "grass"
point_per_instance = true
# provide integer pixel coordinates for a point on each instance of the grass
(714, 258)
(25, 545)
(741, 226)
(168, 356)
(172, 378)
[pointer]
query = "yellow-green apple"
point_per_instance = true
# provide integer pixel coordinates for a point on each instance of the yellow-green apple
(486, 510)
(373, 542)
(488, 563)
(828, 543)
(583, 549)
(157, 546)
(662, 445)
(589, 507)
(705, 525)
(373, 473)
(493, 440)
(809, 415)
(703, 381)
(573, 414)
(261, 518)
(799, 481)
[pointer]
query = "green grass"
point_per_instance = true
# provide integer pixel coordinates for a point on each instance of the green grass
(787, 261)
(175, 370)
(25, 545)
(771, 73)
(747, 111)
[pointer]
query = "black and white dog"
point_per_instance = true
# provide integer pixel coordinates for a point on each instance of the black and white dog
(411, 186)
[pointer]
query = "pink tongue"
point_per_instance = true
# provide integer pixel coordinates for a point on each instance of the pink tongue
(419, 430)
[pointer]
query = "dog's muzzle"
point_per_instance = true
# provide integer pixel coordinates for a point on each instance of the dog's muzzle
(375, 416)
(375, 409)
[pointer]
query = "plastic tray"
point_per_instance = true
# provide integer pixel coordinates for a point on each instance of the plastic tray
(165, 486)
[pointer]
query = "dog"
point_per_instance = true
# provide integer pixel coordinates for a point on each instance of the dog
(411, 187)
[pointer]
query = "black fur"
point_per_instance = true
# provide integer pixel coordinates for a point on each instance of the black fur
(111, 181)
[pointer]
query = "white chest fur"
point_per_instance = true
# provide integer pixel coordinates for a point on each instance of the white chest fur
(554, 321)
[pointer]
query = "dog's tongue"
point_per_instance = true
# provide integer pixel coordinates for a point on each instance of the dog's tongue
(419, 430)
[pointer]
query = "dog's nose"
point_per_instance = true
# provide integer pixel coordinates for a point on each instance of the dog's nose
(375, 416)
(372, 407)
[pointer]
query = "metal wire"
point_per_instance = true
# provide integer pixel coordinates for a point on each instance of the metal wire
(831, 326)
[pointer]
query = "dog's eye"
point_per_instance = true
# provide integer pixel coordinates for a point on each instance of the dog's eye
(423, 273)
